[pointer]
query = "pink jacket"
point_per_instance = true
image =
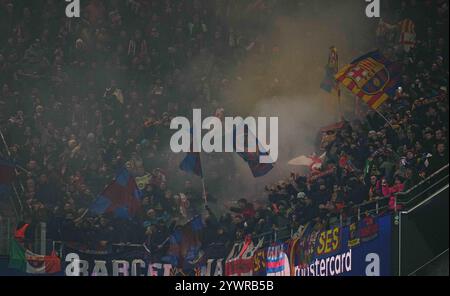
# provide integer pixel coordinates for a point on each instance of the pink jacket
(394, 189)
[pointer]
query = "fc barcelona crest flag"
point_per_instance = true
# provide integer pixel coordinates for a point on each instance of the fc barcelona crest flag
(372, 78)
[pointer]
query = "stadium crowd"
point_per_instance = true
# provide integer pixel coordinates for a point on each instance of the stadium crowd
(81, 98)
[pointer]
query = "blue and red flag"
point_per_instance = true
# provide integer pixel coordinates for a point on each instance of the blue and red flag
(252, 158)
(185, 243)
(192, 164)
(122, 197)
(258, 169)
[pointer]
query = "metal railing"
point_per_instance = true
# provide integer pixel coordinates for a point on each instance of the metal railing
(345, 217)
(413, 199)
(415, 194)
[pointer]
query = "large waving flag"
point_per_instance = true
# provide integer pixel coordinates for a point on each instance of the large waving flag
(121, 197)
(252, 158)
(258, 169)
(371, 77)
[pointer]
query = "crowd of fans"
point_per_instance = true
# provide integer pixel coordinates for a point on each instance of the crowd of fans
(81, 98)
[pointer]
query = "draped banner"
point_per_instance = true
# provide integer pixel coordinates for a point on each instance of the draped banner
(123, 263)
(362, 248)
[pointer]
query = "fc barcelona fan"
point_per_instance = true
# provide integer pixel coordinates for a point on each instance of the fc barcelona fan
(439, 159)
(245, 208)
(81, 99)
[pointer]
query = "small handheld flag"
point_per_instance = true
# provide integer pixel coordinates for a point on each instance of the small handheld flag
(192, 163)
(329, 82)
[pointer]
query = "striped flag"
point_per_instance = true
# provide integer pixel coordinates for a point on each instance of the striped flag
(407, 34)
(329, 82)
(121, 197)
(277, 262)
(371, 77)
(252, 159)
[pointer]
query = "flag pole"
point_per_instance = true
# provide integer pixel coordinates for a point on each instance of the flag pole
(204, 192)
(4, 143)
(392, 127)
(385, 119)
(336, 70)
(82, 215)
(339, 102)
(205, 198)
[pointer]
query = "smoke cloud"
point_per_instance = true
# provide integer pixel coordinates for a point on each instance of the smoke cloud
(280, 76)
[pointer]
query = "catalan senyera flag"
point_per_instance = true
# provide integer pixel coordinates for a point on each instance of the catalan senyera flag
(332, 67)
(407, 34)
(371, 77)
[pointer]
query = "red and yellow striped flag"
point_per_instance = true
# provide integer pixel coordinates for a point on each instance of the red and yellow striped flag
(371, 77)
